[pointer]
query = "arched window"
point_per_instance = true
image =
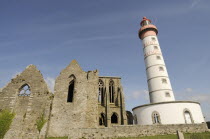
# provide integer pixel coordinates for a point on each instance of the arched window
(156, 118)
(111, 91)
(101, 92)
(71, 92)
(25, 91)
(102, 119)
(114, 118)
(188, 117)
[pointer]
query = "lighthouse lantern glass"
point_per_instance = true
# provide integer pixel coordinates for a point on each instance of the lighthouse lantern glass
(145, 22)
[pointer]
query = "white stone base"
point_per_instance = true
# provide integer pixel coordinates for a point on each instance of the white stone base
(169, 113)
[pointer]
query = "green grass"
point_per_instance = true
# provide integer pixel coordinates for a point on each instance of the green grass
(205, 135)
(154, 137)
(5, 121)
(40, 122)
(57, 138)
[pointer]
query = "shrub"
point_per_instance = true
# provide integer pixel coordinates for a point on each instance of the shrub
(40, 122)
(5, 121)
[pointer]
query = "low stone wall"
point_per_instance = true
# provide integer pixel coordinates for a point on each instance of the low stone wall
(134, 131)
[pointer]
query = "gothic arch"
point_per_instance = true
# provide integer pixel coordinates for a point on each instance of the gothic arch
(24, 90)
(156, 117)
(101, 92)
(114, 118)
(71, 88)
(188, 116)
(111, 91)
(102, 120)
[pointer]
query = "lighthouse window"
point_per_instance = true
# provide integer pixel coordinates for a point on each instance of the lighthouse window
(153, 39)
(168, 94)
(156, 118)
(161, 69)
(158, 57)
(155, 47)
(164, 81)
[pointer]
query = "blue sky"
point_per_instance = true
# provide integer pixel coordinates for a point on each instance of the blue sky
(103, 35)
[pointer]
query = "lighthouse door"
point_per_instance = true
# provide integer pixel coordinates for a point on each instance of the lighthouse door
(188, 117)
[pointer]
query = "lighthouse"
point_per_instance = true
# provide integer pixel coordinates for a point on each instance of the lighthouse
(162, 109)
(159, 85)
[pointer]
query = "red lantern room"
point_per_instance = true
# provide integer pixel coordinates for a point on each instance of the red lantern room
(147, 28)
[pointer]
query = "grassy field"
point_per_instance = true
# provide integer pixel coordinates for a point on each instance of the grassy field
(154, 137)
(58, 138)
(205, 135)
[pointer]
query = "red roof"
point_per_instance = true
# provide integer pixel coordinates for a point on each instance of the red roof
(145, 19)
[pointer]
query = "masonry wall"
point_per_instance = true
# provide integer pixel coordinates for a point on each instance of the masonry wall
(135, 131)
(82, 112)
(29, 108)
(118, 106)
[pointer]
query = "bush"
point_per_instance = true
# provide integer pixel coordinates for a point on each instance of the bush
(5, 121)
(40, 122)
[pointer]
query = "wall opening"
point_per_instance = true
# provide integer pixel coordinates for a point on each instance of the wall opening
(71, 92)
(25, 90)
(101, 92)
(114, 118)
(156, 118)
(188, 118)
(111, 91)
(102, 119)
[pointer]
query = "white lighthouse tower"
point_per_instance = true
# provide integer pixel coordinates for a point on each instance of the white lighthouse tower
(159, 85)
(163, 109)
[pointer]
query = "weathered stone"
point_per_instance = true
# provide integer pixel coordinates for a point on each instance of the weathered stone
(180, 135)
(85, 109)
(84, 105)
(28, 108)
(135, 131)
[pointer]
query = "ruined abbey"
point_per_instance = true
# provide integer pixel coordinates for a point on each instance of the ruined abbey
(80, 100)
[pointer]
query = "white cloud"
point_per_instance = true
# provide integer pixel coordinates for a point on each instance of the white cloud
(51, 83)
(138, 94)
(192, 94)
(201, 98)
(194, 3)
(188, 90)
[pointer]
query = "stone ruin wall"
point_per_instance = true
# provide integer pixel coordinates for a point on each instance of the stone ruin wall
(118, 106)
(135, 131)
(27, 109)
(82, 112)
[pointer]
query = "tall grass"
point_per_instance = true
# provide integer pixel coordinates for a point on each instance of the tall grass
(40, 122)
(5, 121)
